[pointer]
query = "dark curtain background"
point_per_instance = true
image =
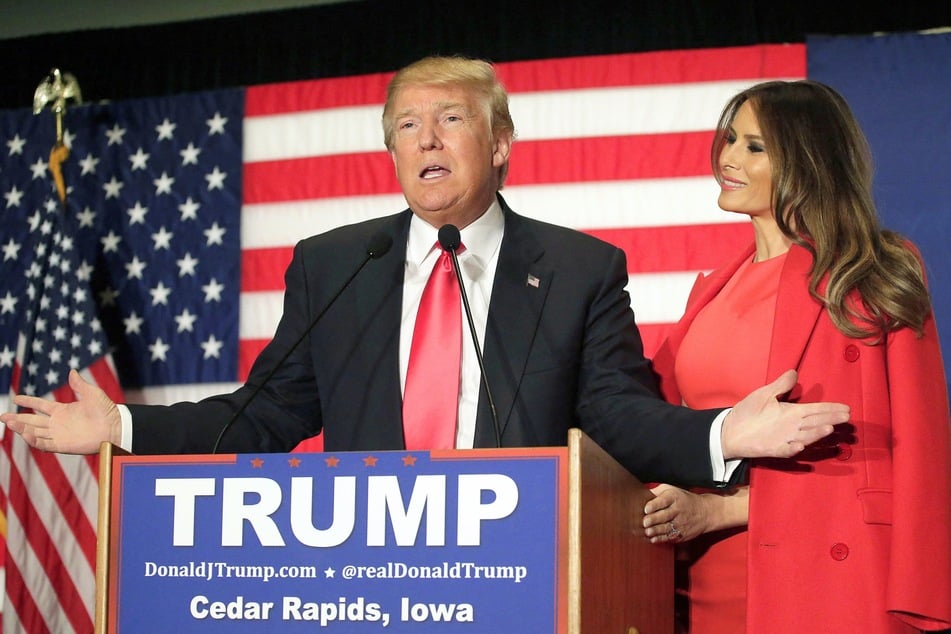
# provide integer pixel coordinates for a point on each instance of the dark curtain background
(381, 35)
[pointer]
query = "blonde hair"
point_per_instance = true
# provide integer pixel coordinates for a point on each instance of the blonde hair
(473, 75)
(822, 199)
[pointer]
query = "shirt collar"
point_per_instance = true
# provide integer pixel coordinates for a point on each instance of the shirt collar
(481, 238)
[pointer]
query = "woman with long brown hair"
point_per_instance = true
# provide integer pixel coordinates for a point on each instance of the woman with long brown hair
(852, 534)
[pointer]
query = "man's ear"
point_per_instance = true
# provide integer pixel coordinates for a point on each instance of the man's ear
(503, 147)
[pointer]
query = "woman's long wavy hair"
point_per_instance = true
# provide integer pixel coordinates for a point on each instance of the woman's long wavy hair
(822, 199)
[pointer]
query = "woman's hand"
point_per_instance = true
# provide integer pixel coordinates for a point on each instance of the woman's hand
(676, 515)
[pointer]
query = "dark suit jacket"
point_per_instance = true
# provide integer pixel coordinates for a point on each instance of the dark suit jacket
(562, 354)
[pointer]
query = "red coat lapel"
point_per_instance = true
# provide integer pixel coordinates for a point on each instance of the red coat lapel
(796, 314)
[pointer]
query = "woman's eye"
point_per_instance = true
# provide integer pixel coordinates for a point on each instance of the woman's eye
(754, 148)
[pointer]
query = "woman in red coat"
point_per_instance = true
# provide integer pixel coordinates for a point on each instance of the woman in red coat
(852, 535)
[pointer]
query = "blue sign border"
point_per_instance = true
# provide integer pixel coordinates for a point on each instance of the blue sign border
(349, 542)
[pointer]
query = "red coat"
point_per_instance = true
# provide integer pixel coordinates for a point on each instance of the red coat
(854, 537)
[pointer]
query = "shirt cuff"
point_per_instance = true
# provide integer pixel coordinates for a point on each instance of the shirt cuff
(722, 469)
(125, 442)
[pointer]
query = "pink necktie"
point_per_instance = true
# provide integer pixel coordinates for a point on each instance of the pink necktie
(431, 394)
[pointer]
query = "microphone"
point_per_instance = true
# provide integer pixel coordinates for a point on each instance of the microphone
(377, 247)
(449, 240)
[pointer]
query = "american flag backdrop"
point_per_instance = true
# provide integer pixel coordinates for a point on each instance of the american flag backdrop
(185, 210)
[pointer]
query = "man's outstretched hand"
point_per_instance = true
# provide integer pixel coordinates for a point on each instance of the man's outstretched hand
(762, 426)
(78, 427)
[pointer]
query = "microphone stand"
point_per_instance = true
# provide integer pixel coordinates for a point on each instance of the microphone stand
(450, 239)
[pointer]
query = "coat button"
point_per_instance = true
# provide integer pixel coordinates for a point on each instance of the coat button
(839, 551)
(845, 451)
(851, 353)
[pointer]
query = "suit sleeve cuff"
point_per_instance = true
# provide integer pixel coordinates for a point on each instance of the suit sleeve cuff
(126, 416)
(722, 469)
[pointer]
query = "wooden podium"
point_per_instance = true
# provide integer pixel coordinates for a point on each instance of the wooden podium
(616, 581)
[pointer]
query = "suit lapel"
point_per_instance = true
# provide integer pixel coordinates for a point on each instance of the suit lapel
(381, 286)
(379, 298)
(518, 296)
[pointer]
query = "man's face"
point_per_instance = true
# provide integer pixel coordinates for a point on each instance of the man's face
(446, 158)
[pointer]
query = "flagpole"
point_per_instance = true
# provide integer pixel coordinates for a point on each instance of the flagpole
(55, 91)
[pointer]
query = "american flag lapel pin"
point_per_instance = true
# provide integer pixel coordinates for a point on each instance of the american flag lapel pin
(532, 281)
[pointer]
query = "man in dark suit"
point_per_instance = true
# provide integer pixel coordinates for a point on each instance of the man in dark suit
(560, 347)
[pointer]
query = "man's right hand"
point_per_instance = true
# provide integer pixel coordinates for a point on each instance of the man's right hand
(79, 427)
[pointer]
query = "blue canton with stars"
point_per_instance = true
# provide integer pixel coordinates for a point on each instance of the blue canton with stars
(153, 213)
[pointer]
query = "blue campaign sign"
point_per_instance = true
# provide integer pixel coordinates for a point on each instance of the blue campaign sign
(456, 541)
